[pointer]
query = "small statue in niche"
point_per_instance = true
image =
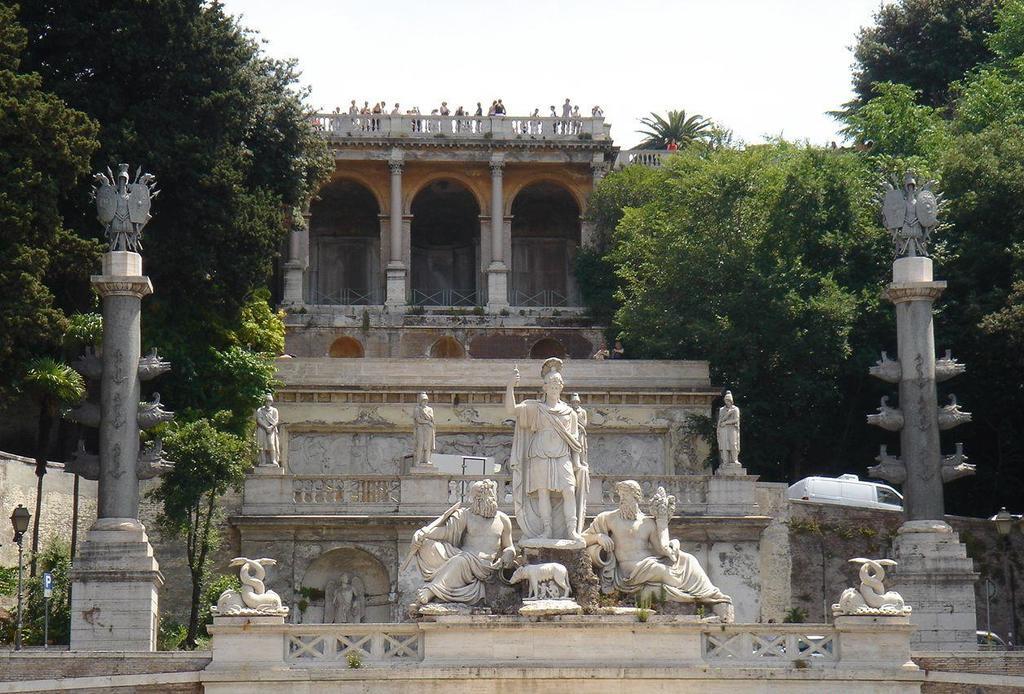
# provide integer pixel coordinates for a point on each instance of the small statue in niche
(267, 440)
(423, 432)
(345, 600)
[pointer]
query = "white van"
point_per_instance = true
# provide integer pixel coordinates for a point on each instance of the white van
(847, 490)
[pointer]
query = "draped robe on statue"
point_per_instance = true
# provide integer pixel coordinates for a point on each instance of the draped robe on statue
(454, 575)
(546, 454)
(688, 581)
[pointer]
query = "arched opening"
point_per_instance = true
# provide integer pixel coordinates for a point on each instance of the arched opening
(346, 348)
(344, 245)
(445, 245)
(547, 347)
(447, 348)
(347, 585)
(545, 236)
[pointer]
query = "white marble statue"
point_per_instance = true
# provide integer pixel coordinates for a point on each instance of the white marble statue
(871, 597)
(423, 431)
(461, 549)
(345, 601)
(548, 461)
(253, 598)
(267, 440)
(634, 554)
(548, 580)
(728, 430)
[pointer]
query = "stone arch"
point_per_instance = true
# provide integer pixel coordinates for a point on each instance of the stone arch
(546, 233)
(447, 348)
(353, 562)
(346, 347)
(344, 244)
(578, 196)
(444, 243)
(547, 347)
(372, 185)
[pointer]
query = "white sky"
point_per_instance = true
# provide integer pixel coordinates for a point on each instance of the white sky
(760, 67)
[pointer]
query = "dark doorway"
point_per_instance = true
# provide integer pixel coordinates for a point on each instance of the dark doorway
(545, 236)
(344, 246)
(445, 241)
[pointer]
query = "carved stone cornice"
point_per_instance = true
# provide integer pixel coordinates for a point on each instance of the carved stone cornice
(914, 291)
(114, 285)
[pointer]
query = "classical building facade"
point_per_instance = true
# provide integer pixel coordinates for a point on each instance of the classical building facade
(437, 259)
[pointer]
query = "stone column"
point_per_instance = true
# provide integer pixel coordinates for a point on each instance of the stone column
(497, 271)
(396, 270)
(115, 578)
(298, 260)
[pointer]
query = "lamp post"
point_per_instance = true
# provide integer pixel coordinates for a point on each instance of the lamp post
(1004, 522)
(19, 519)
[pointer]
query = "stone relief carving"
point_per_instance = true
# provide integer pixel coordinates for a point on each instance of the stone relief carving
(910, 215)
(462, 548)
(888, 418)
(634, 555)
(871, 598)
(253, 598)
(122, 206)
(951, 415)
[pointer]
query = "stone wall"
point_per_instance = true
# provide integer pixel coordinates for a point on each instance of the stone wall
(18, 486)
(824, 538)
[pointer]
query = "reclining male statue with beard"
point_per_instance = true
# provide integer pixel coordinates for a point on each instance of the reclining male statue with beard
(457, 555)
(633, 554)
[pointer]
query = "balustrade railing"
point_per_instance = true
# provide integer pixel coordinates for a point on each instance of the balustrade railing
(458, 489)
(324, 644)
(543, 297)
(743, 644)
(337, 490)
(343, 125)
(691, 493)
(443, 297)
(651, 158)
(347, 296)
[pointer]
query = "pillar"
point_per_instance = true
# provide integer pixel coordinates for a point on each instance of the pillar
(116, 579)
(396, 270)
(298, 259)
(497, 271)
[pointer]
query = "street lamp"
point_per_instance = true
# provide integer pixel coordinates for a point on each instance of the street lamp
(1004, 522)
(20, 519)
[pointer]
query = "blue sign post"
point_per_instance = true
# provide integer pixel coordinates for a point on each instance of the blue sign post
(47, 594)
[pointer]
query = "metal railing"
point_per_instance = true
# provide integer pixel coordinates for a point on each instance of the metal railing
(347, 296)
(543, 297)
(344, 125)
(443, 297)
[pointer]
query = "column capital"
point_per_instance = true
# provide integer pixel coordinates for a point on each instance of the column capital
(120, 285)
(396, 166)
(899, 293)
(497, 164)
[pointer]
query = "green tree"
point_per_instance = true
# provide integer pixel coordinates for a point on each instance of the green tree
(658, 130)
(44, 150)
(924, 44)
(52, 385)
(767, 263)
(208, 462)
(896, 125)
(181, 88)
(55, 558)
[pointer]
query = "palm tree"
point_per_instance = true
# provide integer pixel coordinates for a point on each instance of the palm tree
(659, 131)
(52, 384)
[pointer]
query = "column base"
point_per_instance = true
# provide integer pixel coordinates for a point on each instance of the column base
(293, 280)
(936, 578)
(731, 469)
(497, 287)
(396, 291)
(115, 581)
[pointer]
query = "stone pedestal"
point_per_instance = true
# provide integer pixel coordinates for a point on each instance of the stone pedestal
(114, 584)
(936, 578)
(732, 494)
(731, 470)
(293, 281)
(396, 285)
(246, 640)
(497, 287)
(582, 579)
